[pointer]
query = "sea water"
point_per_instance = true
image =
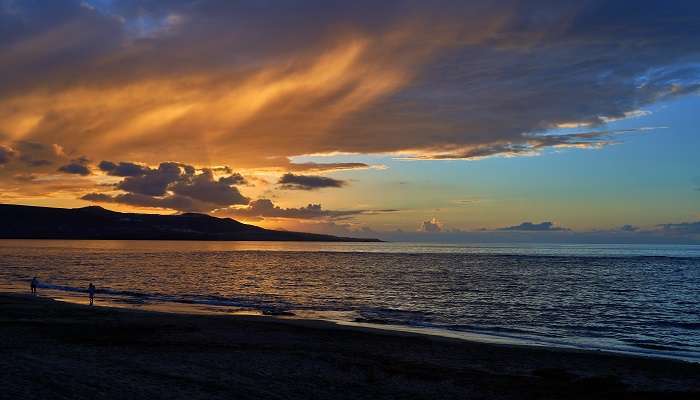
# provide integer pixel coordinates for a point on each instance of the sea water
(631, 298)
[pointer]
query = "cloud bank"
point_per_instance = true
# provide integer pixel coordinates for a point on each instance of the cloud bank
(153, 81)
(433, 231)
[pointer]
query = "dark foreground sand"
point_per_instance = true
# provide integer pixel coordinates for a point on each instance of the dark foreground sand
(50, 349)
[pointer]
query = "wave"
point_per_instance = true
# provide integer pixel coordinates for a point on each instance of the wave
(266, 307)
(677, 324)
(648, 345)
(74, 289)
(385, 316)
(491, 329)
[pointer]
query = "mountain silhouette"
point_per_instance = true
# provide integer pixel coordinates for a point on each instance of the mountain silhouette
(30, 222)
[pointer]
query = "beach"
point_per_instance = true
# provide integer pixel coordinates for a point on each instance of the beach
(61, 350)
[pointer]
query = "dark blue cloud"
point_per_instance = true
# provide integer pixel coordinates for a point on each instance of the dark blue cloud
(204, 187)
(122, 168)
(76, 167)
(629, 228)
(172, 185)
(529, 226)
(153, 182)
(308, 182)
(73, 168)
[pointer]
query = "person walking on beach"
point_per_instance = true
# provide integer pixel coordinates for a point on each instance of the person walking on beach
(91, 293)
(33, 284)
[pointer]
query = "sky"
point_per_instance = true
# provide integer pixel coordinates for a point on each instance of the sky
(567, 121)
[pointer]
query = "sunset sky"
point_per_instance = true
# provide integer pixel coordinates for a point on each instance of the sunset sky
(406, 120)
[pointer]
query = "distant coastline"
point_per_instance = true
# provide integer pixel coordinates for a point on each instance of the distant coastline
(90, 223)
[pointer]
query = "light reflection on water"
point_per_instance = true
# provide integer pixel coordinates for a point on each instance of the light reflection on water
(624, 297)
(625, 250)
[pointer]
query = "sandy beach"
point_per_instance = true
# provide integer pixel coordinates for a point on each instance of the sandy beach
(69, 351)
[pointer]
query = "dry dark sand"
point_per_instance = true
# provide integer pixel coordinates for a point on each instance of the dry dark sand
(57, 350)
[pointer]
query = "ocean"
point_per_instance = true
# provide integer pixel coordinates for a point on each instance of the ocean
(636, 299)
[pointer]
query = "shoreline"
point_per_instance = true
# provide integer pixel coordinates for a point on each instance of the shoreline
(485, 337)
(288, 356)
(469, 336)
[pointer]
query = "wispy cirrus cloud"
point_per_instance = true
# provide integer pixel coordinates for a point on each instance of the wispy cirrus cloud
(321, 167)
(527, 145)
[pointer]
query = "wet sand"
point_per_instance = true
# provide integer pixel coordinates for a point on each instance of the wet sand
(55, 350)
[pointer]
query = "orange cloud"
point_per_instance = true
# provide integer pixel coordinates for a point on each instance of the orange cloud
(281, 109)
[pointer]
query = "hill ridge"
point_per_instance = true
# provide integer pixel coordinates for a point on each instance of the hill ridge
(95, 222)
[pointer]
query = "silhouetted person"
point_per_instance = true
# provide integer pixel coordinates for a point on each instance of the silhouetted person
(33, 284)
(91, 293)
